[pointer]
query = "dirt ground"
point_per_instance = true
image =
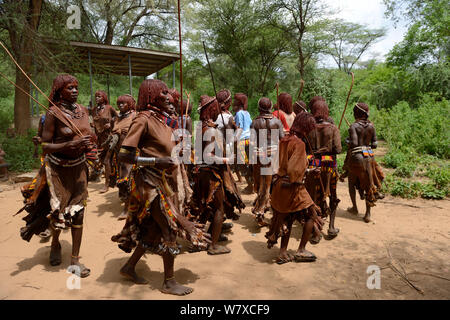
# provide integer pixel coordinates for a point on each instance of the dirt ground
(410, 236)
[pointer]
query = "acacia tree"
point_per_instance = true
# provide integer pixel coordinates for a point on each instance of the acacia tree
(244, 46)
(349, 41)
(302, 22)
(427, 39)
(139, 22)
(21, 20)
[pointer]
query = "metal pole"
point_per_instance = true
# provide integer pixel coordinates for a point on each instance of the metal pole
(90, 78)
(173, 76)
(129, 72)
(181, 65)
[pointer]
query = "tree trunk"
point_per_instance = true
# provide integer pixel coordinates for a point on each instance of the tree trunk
(22, 121)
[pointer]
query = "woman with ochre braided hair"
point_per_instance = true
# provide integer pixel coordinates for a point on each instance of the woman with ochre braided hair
(57, 197)
(120, 171)
(154, 219)
(103, 116)
(289, 199)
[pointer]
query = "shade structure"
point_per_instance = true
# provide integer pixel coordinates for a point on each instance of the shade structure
(95, 58)
(112, 59)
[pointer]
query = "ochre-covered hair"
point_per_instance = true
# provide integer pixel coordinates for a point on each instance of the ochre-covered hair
(361, 111)
(171, 100)
(209, 108)
(321, 111)
(299, 107)
(58, 84)
(128, 99)
(224, 97)
(303, 124)
(314, 100)
(265, 104)
(241, 100)
(285, 101)
(102, 94)
(149, 91)
(176, 97)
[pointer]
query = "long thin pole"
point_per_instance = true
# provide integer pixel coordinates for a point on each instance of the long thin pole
(212, 78)
(35, 100)
(181, 65)
(348, 96)
(29, 79)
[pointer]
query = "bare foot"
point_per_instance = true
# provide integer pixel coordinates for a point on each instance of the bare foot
(333, 232)
(315, 238)
(367, 218)
(227, 226)
(83, 271)
(284, 258)
(304, 256)
(55, 254)
(130, 274)
(218, 250)
(353, 210)
(173, 287)
(222, 238)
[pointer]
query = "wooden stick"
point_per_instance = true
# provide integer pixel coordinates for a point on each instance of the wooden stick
(348, 96)
(181, 64)
(45, 108)
(187, 104)
(31, 81)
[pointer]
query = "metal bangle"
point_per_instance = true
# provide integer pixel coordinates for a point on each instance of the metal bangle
(123, 150)
(146, 161)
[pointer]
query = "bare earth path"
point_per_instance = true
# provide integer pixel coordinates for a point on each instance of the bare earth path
(415, 233)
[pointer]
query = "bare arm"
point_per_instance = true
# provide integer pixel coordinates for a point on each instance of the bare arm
(374, 142)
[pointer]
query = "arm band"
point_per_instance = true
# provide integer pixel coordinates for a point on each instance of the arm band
(146, 161)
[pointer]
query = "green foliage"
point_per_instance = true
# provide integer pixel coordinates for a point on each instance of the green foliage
(427, 39)
(405, 189)
(405, 170)
(423, 131)
(19, 152)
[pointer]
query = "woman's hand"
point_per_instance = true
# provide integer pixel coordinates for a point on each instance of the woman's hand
(79, 143)
(166, 163)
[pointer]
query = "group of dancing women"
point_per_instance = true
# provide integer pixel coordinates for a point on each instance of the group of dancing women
(171, 188)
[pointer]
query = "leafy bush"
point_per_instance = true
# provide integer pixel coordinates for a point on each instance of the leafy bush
(420, 131)
(19, 152)
(429, 191)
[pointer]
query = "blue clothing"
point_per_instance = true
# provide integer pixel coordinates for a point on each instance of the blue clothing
(243, 120)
